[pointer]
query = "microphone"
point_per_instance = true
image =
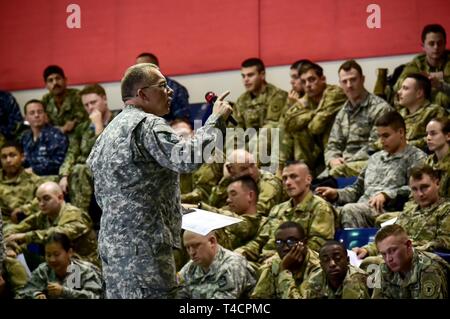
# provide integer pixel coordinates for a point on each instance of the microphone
(211, 98)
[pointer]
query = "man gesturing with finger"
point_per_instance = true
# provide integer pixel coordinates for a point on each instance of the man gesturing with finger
(136, 179)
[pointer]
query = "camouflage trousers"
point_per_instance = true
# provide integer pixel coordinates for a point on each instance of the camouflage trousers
(146, 275)
(357, 215)
(81, 186)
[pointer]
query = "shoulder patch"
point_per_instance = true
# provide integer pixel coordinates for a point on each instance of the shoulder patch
(222, 282)
(430, 287)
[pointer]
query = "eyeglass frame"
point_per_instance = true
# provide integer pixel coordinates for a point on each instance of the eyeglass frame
(279, 243)
(163, 85)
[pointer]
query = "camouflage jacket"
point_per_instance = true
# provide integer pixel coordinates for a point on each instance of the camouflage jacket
(71, 109)
(384, 173)
(263, 110)
(444, 166)
(201, 182)
(275, 283)
(136, 163)
(82, 281)
(416, 122)
(228, 277)
(426, 280)
(354, 132)
(314, 214)
(354, 286)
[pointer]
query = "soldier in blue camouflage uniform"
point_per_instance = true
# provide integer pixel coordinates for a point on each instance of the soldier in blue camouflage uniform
(435, 63)
(408, 273)
(383, 184)
(63, 105)
(45, 146)
(136, 163)
(353, 135)
(11, 120)
(213, 272)
(179, 106)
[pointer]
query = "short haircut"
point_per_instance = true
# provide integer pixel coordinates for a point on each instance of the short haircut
(254, 62)
(445, 123)
(248, 183)
(433, 28)
(33, 101)
(53, 69)
(332, 243)
(417, 172)
(136, 77)
(350, 64)
(422, 82)
(291, 224)
(392, 119)
(297, 162)
(389, 230)
(311, 66)
(59, 238)
(181, 120)
(298, 64)
(93, 88)
(153, 57)
(13, 143)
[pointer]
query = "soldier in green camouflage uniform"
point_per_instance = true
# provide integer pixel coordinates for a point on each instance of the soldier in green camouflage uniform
(407, 272)
(242, 163)
(60, 217)
(295, 262)
(76, 178)
(305, 127)
(416, 108)
(17, 187)
(435, 63)
(63, 106)
(337, 279)
(200, 183)
(383, 184)
(214, 272)
(313, 213)
(15, 277)
(353, 135)
(63, 277)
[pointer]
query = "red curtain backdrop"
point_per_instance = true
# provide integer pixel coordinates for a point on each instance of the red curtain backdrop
(196, 36)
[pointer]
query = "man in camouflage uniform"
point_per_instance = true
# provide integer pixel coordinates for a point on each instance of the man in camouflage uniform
(243, 163)
(407, 272)
(337, 279)
(56, 216)
(313, 213)
(383, 184)
(427, 220)
(284, 276)
(417, 111)
(17, 186)
(214, 272)
(306, 125)
(63, 105)
(76, 178)
(435, 63)
(11, 120)
(438, 139)
(136, 164)
(353, 135)
(44, 145)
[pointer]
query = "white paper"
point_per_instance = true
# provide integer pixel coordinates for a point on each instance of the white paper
(202, 222)
(389, 222)
(21, 259)
(354, 260)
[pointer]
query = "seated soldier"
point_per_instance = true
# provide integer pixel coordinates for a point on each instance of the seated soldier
(62, 276)
(382, 185)
(213, 272)
(243, 163)
(414, 98)
(407, 272)
(284, 276)
(17, 186)
(427, 220)
(438, 139)
(56, 215)
(337, 279)
(45, 146)
(314, 214)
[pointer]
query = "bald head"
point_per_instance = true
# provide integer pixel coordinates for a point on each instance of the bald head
(51, 198)
(241, 156)
(50, 187)
(201, 249)
(242, 163)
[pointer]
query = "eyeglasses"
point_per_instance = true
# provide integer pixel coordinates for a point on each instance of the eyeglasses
(162, 85)
(290, 242)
